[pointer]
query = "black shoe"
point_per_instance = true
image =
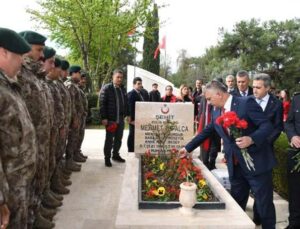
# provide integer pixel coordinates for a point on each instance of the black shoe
(118, 159)
(108, 163)
(257, 221)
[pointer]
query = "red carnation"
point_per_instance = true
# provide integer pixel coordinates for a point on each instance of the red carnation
(112, 127)
(242, 124)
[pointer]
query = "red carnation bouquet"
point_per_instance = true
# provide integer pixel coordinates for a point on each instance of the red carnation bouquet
(230, 120)
(112, 127)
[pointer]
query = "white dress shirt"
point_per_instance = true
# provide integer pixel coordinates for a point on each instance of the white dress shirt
(227, 105)
(263, 101)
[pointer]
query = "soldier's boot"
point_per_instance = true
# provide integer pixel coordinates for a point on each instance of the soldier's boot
(64, 181)
(78, 158)
(71, 165)
(63, 168)
(57, 186)
(84, 156)
(42, 223)
(47, 213)
(56, 196)
(65, 176)
(50, 202)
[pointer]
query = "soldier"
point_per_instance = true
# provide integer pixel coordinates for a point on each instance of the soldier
(84, 100)
(52, 68)
(17, 136)
(35, 96)
(66, 100)
(77, 112)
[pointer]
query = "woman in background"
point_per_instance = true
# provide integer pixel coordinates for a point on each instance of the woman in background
(184, 94)
(285, 97)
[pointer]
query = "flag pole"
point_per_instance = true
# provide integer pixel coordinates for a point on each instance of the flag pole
(165, 61)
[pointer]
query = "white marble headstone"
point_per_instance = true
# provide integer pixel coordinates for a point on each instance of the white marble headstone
(149, 116)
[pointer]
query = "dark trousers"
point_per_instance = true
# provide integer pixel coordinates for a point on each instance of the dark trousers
(262, 188)
(130, 140)
(113, 141)
(294, 191)
(209, 157)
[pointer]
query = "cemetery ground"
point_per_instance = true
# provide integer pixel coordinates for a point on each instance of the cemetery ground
(95, 191)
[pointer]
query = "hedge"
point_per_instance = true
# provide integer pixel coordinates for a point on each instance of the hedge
(280, 171)
(93, 115)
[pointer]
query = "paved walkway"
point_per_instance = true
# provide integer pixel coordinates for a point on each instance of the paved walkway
(94, 197)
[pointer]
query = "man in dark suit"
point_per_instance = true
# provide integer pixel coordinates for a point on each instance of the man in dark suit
(273, 109)
(292, 129)
(135, 95)
(154, 95)
(254, 137)
(242, 81)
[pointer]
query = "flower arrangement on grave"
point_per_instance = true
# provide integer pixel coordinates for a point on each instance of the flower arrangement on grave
(164, 172)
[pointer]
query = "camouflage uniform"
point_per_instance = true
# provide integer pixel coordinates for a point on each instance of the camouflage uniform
(66, 101)
(35, 96)
(83, 119)
(18, 152)
(58, 124)
(77, 110)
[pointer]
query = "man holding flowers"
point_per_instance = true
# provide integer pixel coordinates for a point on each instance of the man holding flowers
(244, 130)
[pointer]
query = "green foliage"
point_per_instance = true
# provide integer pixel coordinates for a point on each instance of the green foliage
(95, 32)
(92, 103)
(280, 171)
(151, 41)
(271, 47)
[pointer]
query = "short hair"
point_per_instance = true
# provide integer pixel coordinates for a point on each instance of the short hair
(136, 79)
(118, 71)
(217, 85)
(230, 77)
(169, 87)
(264, 77)
(242, 73)
(201, 80)
(154, 84)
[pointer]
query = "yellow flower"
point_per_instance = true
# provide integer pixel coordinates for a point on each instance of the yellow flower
(162, 166)
(154, 181)
(155, 192)
(147, 182)
(205, 196)
(153, 160)
(202, 183)
(161, 191)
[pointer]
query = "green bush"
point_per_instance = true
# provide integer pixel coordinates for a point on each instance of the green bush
(93, 103)
(280, 171)
(95, 116)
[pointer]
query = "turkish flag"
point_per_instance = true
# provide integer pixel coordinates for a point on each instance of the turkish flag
(162, 45)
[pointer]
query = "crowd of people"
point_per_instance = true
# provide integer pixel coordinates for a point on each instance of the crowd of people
(259, 105)
(42, 122)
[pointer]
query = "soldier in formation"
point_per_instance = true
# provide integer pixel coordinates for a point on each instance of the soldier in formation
(42, 121)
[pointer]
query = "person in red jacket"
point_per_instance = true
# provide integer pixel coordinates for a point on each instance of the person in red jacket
(169, 97)
(284, 94)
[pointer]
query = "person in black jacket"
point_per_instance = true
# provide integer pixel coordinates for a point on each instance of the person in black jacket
(113, 110)
(154, 95)
(292, 129)
(135, 95)
(242, 81)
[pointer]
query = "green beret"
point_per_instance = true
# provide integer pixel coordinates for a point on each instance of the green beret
(13, 42)
(74, 68)
(64, 65)
(57, 62)
(48, 52)
(33, 38)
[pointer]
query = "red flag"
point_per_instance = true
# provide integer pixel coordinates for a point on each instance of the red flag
(162, 45)
(131, 32)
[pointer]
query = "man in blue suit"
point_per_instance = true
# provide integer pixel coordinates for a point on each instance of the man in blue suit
(254, 138)
(273, 109)
(135, 95)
